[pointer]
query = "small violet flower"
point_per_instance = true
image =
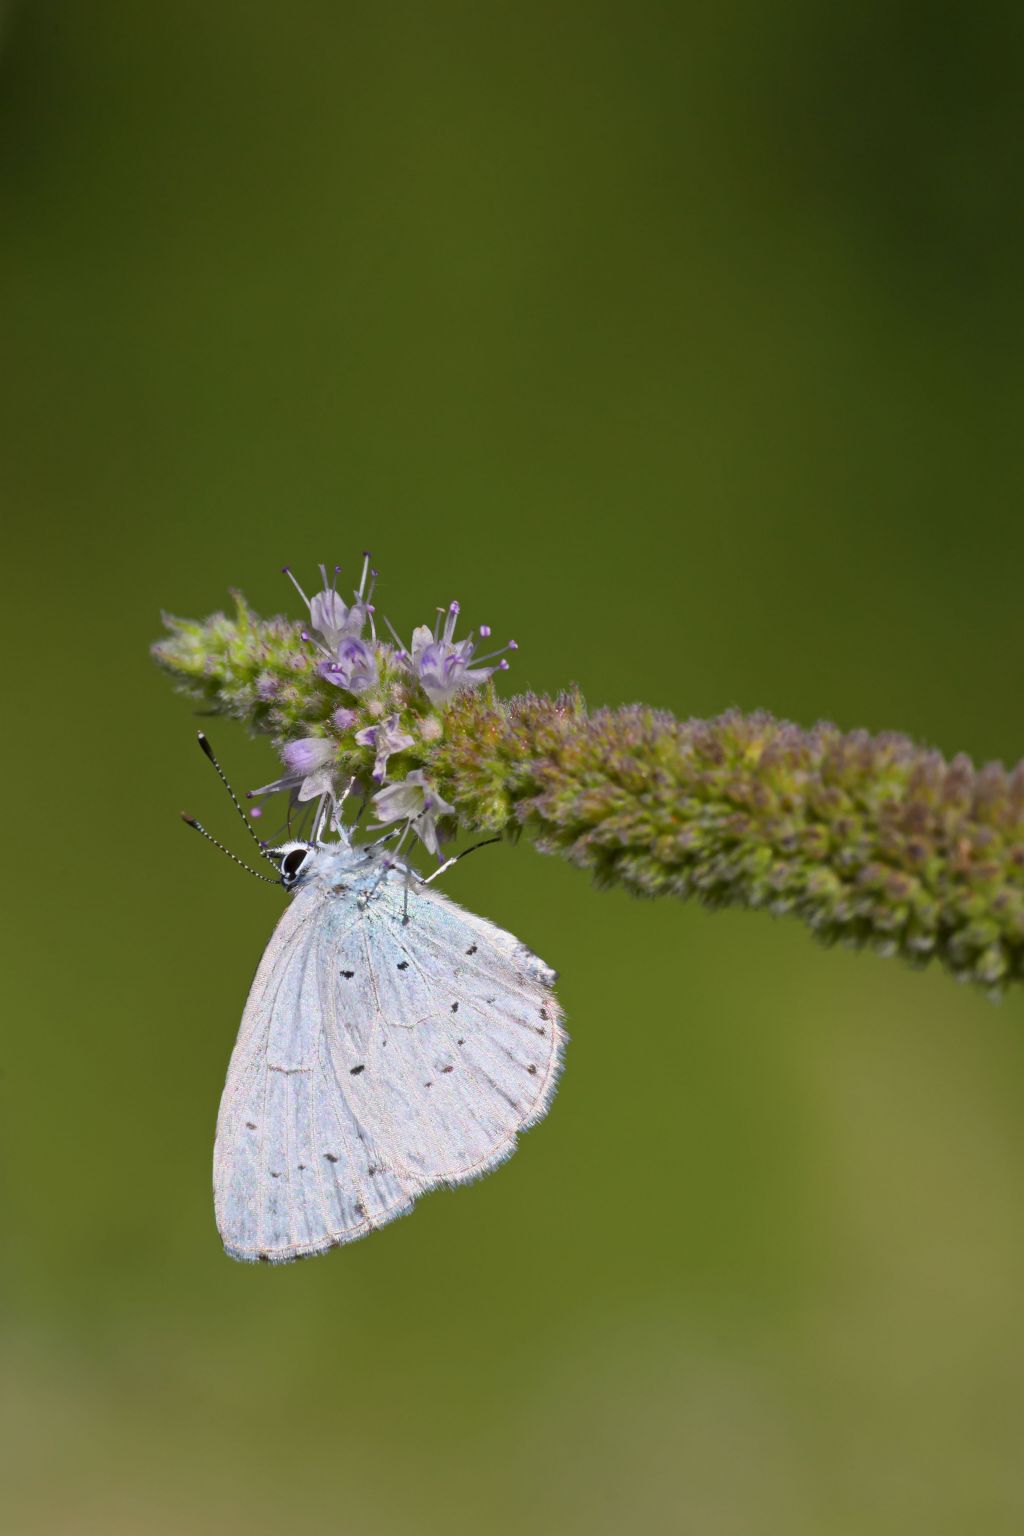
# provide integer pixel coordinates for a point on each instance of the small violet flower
(310, 770)
(330, 616)
(353, 665)
(387, 737)
(442, 666)
(349, 661)
(415, 801)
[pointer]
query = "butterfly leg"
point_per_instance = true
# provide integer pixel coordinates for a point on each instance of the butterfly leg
(395, 832)
(302, 820)
(335, 819)
(322, 818)
(388, 863)
(456, 857)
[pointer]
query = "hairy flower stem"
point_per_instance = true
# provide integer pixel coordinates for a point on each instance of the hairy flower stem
(869, 839)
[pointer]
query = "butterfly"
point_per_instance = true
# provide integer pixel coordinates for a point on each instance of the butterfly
(392, 1042)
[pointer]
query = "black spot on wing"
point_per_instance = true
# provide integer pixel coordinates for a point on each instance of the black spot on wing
(347, 974)
(355, 1071)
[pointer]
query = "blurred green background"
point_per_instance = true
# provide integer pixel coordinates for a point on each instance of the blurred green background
(684, 343)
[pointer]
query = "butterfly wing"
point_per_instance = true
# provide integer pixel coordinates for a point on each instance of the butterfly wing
(376, 1060)
(295, 1172)
(466, 1045)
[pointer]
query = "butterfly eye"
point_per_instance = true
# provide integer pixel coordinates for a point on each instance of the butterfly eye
(293, 862)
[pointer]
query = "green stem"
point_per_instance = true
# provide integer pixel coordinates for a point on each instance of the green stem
(871, 840)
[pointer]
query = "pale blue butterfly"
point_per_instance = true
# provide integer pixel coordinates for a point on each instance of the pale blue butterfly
(388, 1046)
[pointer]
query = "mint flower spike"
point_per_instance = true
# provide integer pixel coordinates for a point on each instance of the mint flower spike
(443, 668)
(416, 802)
(870, 840)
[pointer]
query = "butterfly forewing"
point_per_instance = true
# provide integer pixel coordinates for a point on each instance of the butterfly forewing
(376, 1060)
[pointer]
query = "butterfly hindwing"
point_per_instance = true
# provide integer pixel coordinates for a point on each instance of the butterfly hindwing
(470, 1044)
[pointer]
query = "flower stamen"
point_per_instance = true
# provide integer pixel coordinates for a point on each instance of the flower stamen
(286, 570)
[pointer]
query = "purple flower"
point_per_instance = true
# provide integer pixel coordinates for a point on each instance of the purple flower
(388, 737)
(415, 801)
(353, 665)
(442, 666)
(330, 616)
(310, 770)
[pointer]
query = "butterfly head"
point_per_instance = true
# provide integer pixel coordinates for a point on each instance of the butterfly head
(295, 860)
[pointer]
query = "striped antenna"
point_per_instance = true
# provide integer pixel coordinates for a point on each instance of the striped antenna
(190, 821)
(204, 743)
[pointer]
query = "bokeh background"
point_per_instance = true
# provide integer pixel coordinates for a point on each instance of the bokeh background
(684, 343)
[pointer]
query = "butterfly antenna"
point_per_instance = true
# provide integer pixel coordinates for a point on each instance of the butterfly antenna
(204, 743)
(190, 821)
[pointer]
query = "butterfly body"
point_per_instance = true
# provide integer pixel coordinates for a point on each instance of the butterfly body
(391, 1043)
